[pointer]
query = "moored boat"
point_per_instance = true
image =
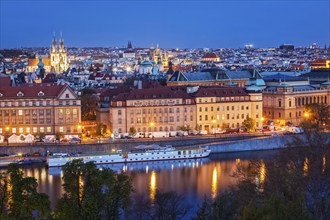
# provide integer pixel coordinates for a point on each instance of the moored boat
(138, 154)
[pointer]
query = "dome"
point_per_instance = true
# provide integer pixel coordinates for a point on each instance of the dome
(253, 88)
(146, 63)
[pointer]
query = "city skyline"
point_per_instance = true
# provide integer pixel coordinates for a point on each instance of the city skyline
(183, 24)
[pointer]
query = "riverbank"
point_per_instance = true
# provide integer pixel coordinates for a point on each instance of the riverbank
(233, 143)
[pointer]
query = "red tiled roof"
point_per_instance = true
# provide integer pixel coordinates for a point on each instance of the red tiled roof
(154, 93)
(31, 91)
(210, 55)
(220, 92)
(34, 62)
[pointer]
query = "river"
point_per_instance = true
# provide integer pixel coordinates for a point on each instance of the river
(194, 179)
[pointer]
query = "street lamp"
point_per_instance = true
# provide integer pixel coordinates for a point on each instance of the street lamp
(214, 122)
(7, 134)
(152, 124)
(306, 114)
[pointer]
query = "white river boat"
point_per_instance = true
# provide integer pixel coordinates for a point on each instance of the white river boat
(138, 154)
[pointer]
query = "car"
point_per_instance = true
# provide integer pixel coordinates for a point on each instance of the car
(75, 141)
(287, 133)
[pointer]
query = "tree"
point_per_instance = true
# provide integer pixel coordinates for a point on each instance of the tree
(91, 193)
(24, 201)
(316, 114)
(185, 128)
(132, 131)
(101, 130)
(249, 124)
(168, 205)
(88, 102)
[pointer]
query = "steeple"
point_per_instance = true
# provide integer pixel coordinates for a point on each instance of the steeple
(54, 46)
(61, 44)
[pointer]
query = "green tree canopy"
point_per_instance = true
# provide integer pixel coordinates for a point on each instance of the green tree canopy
(249, 124)
(20, 193)
(91, 193)
(132, 131)
(88, 102)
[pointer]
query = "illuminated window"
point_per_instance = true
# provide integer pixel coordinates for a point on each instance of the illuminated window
(67, 111)
(42, 129)
(61, 129)
(49, 129)
(74, 111)
(20, 130)
(28, 130)
(20, 112)
(35, 129)
(13, 130)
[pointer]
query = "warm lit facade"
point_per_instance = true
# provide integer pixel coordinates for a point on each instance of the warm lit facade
(211, 57)
(320, 64)
(58, 61)
(150, 110)
(169, 108)
(39, 109)
(226, 107)
(284, 102)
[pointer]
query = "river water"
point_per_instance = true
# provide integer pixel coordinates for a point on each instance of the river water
(194, 179)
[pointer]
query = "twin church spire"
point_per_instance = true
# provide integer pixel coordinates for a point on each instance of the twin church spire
(59, 48)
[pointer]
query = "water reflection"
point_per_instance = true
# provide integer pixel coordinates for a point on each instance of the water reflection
(153, 186)
(324, 163)
(305, 168)
(192, 178)
(262, 175)
(214, 182)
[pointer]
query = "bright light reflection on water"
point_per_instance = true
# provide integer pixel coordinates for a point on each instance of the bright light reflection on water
(194, 178)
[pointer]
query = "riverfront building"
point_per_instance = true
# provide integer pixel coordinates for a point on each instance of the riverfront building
(39, 109)
(285, 96)
(170, 108)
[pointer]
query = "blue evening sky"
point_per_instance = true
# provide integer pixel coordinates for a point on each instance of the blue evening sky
(183, 24)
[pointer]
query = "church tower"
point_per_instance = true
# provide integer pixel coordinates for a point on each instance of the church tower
(58, 56)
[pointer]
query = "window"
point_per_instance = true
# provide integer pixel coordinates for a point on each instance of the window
(67, 96)
(74, 111)
(200, 109)
(67, 111)
(42, 130)
(119, 121)
(280, 103)
(13, 130)
(61, 129)
(290, 104)
(257, 106)
(119, 112)
(28, 130)
(20, 112)
(206, 117)
(20, 130)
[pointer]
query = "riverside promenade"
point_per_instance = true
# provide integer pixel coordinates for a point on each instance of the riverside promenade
(220, 144)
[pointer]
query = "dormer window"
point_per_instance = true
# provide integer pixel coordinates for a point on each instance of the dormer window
(41, 93)
(20, 94)
(67, 96)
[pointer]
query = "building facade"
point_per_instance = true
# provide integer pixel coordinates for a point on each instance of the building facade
(56, 62)
(218, 108)
(171, 108)
(39, 109)
(285, 97)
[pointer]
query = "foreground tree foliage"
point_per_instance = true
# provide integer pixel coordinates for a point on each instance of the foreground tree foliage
(166, 206)
(91, 193)
(294, 185)
(19, 198)
(88, 101)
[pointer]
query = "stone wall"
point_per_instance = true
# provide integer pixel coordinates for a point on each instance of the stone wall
(218, 145)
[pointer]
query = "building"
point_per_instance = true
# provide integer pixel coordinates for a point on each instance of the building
(56, 62)
(149, 110)
(211, 77)
(170, 108)
(218, 108)
(320, 64)
(285, 97)
(211, 57)
(39, 109)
